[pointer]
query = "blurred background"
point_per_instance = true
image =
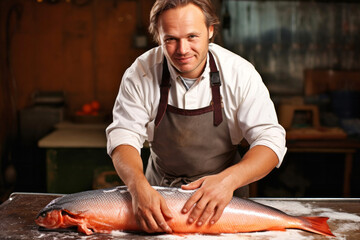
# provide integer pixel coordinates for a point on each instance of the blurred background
(61, 63)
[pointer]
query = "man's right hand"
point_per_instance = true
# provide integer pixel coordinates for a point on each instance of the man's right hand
(150, 210)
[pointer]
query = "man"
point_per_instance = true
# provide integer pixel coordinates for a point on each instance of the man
(194, 102)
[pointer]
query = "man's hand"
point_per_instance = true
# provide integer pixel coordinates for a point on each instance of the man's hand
(216, 191)
(209, 201)
(151, 211)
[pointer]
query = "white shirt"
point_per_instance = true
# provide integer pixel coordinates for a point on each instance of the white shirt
(248, 108)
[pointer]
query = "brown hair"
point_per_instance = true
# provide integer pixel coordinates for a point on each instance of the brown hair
(161, 6)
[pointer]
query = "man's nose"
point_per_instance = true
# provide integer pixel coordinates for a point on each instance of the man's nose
(183, 46)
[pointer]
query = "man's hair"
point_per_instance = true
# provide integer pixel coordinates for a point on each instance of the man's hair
(160, 6)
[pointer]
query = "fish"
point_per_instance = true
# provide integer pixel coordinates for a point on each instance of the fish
(107, 210)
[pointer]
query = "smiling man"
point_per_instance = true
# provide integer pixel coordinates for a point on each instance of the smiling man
(194, 101)
(185, 37)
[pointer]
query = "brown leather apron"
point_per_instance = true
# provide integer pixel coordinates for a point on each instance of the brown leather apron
(190, 144)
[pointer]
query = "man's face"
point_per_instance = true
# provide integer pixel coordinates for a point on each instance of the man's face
(185, 38)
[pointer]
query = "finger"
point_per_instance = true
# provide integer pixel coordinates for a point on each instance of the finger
(193, 185)
(218, 212)
(160, 215)
(143, 225)
(165, 210)
(150, 223)
(161, 223)
(207, 213)
(191, 202)
(197, 210)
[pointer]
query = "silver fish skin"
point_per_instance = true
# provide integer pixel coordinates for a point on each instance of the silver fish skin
(110, 209)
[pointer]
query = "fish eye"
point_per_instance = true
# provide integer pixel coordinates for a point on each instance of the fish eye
(43, 214)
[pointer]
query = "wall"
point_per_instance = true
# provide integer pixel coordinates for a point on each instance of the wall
(81, 50)
(282, 38)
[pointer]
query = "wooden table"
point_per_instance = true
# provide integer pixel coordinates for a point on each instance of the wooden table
(19, 211)
(75, 155)
(347, 146)
(71, 135)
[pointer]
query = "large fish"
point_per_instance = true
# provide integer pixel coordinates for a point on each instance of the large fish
(106, 210)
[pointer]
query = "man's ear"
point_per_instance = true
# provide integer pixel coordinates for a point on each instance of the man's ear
(211, 31)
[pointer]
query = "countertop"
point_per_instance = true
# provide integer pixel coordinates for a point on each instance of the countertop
(19, 211)
(72, 135)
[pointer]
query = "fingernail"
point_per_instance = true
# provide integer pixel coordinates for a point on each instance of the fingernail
(184, 210)
(199, 223)
(212, 222)
(191, 220)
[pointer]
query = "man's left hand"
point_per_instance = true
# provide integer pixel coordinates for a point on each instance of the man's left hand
(209, 201)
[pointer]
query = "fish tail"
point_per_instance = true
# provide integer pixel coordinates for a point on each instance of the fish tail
(317, 225)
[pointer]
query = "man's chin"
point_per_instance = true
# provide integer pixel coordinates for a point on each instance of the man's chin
(183, 68)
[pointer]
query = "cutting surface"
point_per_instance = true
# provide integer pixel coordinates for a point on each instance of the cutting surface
(19, 211)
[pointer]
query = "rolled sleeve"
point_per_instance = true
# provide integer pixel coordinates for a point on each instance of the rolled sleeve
(274, 140)
(249, 109)
(258, 118)
(130, 113)
(120, 136)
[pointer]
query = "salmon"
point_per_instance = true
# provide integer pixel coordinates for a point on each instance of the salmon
(105, 210)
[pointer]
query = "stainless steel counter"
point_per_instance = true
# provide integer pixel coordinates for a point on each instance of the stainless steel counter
(17, 216)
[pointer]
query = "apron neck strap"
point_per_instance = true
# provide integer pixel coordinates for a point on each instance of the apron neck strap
(215, 89)
(164, 93)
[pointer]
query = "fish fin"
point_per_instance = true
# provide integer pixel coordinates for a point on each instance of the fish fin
(317, 225)
(84, 229)
(70, 219)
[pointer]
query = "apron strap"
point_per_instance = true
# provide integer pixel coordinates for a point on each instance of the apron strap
(164, 93)
(215, 89)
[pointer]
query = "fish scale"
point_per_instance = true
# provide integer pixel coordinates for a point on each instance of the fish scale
(105, 210)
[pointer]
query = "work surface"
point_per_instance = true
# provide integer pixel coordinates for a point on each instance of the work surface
(17, 216)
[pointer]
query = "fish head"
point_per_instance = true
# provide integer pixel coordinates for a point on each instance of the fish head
(50, 219)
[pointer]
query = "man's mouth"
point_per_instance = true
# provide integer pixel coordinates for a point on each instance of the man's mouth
(184, 60)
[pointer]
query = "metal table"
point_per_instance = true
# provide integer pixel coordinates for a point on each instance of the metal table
(17, 216)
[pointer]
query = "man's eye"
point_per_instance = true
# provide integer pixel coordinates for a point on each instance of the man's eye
(169, 40)
(192, 36)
